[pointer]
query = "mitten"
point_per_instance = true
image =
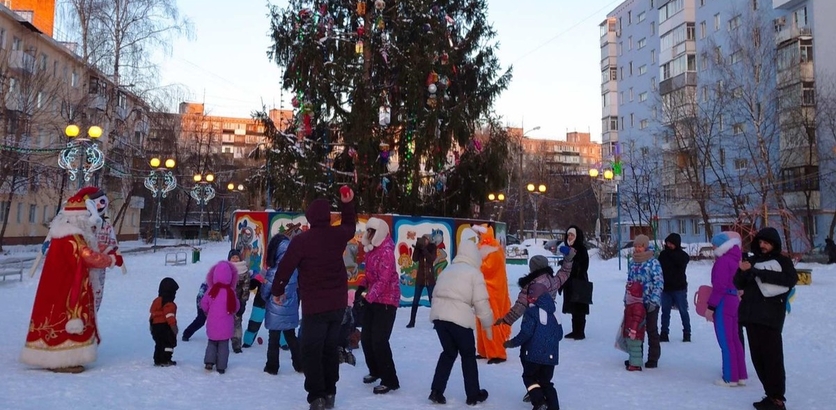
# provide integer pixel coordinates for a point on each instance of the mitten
(358, 295)
(175, 329)
(571, 255)
(508, 344)
(564, 249)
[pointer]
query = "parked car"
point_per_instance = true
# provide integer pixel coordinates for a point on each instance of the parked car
(511, 240)
(552, 245)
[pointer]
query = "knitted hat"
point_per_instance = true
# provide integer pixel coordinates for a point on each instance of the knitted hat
(719, 239)
(537, 262)
(641, 240)
(79, 204)
(233, 252)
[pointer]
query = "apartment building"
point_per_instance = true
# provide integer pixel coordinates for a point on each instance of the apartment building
(666, 65)
(47, 87)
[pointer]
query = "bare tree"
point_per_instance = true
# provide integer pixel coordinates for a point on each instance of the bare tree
(642, 193)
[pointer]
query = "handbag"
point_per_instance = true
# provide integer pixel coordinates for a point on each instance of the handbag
(581, 291)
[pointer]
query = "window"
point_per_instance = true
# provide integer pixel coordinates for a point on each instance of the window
(629, 43)
(643, 97)
(122, 100)
(227, 149)
(20, 212)
(720, 122)
(704, 93)
(643, 69)
(33, 213)
(621, 98)
(802, 178)
(613, 73)
(605, 102)
(702, 29)
(17, 43)
(754, 4)
(632, 120)
(682, 227)
(630, 65)
(799, 17)
(653, 56)
(740, 164)
(621, 72)
(653, 83)
(702, 3)
(703, 63)
(695, 225)
(677, 36)
(736, 56)
(43, 62)
(40, 99)
(717, 22)
(642, 43)
(631, 94)
(2, 45)
(629, 18)
(810, 225)
(734, 23)
(74, 79)
(642, 124)
(737, 129)
(806, 51)
(46, 214)
(669, 10)
(808, 93)
(722, 155)
(641, 17)
(652, 28)
(614, 123)
(620, 47)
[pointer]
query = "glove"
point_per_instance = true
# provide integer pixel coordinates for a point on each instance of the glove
(175, 329)
(651, 307)
(564, 249)
(508, 344)
(358, 295)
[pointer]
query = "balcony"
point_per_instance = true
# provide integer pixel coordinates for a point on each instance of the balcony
(675, 83)
(689, 46)
(802, 72)
(609, 86)
(98, 102)
(786, 4)
(21, 60)
(790, 32)
(608, 62)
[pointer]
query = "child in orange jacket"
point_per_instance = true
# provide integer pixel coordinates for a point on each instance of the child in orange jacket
(164, 323)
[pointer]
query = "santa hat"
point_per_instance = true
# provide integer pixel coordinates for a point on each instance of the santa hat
(79, 204)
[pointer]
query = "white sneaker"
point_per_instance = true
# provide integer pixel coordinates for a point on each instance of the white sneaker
(721, 382)
(741, 382)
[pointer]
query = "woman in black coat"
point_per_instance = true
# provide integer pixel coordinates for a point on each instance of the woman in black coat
(580, 266)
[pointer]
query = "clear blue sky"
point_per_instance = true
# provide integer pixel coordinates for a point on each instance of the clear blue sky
(552, 44)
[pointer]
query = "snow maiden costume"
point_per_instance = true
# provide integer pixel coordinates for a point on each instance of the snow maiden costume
(63, 334)
(108, 244)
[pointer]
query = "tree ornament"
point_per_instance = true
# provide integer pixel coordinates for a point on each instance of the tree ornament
(432, 78)
(358, 48)
(380, 24)
(432, 102)
(361, 8)
(443, 82)
(294, 102)
(432, 88)
(379, 5)
(384, 116)
(428, 27)
(361, 31)
(445, 58)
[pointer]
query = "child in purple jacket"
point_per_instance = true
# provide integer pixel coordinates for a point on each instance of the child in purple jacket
(722, 307)
(220, 305)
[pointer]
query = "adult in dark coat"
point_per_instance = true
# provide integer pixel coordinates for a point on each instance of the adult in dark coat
(323, 290)
(424, 254)
(830, 250)
(580, 267)
(766, 280)
(674, 261)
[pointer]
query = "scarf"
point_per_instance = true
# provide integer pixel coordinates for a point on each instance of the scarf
(230, 295)
(240, 266)
(642, 257)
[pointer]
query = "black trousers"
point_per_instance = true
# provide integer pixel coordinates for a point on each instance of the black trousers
(538, 381)
(654, 346)
(456, 340)
(579, 324)
(416, 300)
(766, 347)
(164, 342)
(196, 324)
(274, 348)
(378, 322)
(320, 361)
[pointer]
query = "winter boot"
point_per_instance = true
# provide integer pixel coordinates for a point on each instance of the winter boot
(663, 337)
(437, 397)
(369, 379)
(651, 364)
(318, 404)
(686, 337)
(482, 396)
(330, 401)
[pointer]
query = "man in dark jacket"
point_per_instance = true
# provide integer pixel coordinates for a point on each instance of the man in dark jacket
(830, 250)
(674, 260)
(424, 254)
(766, 280)
(323, 291)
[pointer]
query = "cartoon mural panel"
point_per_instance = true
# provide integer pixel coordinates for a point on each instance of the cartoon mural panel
(250, 238)
(406, 231)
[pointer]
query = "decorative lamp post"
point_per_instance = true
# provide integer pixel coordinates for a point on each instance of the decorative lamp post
(537, 190)
(500, 197)
(610, 176)
(522, 190)
(81, 154)
(232, 188)
(202, 193)
(160, 182)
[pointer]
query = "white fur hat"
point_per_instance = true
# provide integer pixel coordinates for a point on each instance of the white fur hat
(381, 229)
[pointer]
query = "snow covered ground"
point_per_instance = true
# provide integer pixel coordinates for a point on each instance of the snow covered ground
(590, 376)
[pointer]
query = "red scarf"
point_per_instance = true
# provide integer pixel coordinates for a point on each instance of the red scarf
(230, 295)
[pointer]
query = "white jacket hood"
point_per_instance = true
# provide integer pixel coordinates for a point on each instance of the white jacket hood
(381, 230)
(468, 249)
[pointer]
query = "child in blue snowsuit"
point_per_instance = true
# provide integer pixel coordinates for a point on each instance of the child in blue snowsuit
(539, 337)
(200, 320)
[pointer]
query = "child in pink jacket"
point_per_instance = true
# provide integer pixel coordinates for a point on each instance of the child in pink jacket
(381, 292)
(220, 305)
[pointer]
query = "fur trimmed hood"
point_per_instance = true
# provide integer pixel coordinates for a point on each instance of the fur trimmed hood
(381, 231)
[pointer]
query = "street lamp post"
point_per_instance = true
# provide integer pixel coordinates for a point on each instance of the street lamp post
(609, 175)
(81, 154)
(232, 188)
(202, 193)
(500, 197)
(160, 182)
(537, 190)
(522, 184)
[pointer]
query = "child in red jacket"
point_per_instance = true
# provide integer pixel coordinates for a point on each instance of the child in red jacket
(164, 323)
(634, 325)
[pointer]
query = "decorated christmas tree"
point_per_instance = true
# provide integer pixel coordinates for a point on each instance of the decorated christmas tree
(391, 97)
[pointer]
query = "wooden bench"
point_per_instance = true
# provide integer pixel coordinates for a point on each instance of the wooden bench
(11, 272)
(705, 252)
(175, 258)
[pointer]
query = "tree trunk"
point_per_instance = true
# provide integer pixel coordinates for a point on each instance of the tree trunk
(8, 206)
